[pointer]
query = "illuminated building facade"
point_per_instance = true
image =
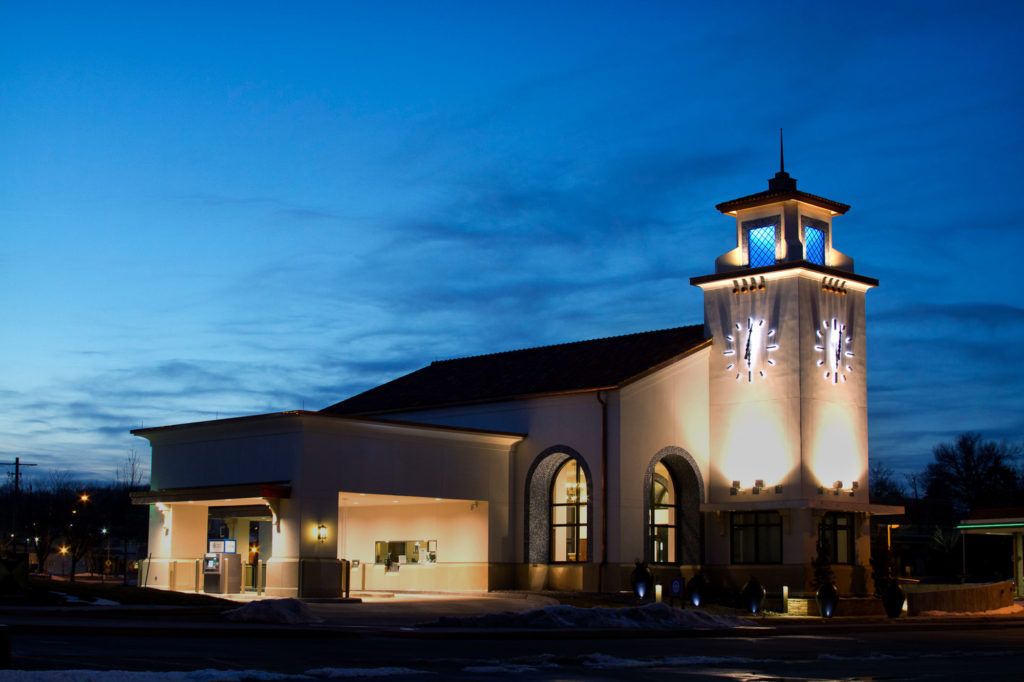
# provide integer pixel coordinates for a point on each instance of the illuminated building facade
(735, 447)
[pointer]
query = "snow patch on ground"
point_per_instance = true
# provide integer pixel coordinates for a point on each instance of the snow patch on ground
(605, 662)
(340, 673)
(648, 617)
(208, 675)
(284, 611)
(1013, 610)
(135, 676)
(70, 599)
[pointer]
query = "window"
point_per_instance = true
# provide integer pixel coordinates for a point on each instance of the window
(756, 537)
(663, 517)
(814, 241)
(835, 533)
(405, 552)
(760, 242)
(569, 514)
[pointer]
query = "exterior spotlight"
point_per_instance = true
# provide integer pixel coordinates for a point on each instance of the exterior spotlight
(778, 490)
(696, 589)
(321, 532)
(735, 488)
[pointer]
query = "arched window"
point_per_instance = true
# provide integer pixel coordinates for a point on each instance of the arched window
(673, 527)
(663, 517)
(569, 514)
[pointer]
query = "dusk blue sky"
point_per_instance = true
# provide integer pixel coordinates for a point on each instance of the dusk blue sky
(217, 209)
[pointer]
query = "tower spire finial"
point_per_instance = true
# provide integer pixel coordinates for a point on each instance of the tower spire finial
(781, 182)
(782, 158)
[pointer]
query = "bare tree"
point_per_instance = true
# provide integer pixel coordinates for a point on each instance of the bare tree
(882, 482)
(973, 473)
(131, 474)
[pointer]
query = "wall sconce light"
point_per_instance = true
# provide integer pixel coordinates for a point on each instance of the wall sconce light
(321, 532)
(165, 511)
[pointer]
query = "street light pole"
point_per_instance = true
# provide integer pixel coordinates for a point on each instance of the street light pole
(17, 464)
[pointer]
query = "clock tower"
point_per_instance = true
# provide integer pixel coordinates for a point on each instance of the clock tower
(787, 392)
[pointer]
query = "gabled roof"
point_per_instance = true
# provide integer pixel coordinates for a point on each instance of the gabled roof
(564, 368)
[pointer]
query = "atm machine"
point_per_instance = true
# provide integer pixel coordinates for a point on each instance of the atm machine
(222, 568)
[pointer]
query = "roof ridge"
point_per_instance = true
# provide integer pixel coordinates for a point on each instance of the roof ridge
(566, 343)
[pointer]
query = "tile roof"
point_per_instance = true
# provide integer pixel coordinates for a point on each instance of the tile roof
(563, 368)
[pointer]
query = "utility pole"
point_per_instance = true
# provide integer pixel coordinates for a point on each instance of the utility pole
(16, 500)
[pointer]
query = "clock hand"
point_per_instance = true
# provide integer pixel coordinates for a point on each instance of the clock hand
(839, 345)
(746, 355)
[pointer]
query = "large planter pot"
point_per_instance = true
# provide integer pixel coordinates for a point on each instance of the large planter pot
(827, 598)
(893, 598)
(697, 590)
(642, 581)
(752, 596)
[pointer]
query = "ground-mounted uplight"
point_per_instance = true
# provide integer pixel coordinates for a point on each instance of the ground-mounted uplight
(697, 589)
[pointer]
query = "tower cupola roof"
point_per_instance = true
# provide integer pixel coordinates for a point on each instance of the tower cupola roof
(781, 188)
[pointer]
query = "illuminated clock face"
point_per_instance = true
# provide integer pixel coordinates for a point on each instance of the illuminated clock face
(835, 351)
(749, 349)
